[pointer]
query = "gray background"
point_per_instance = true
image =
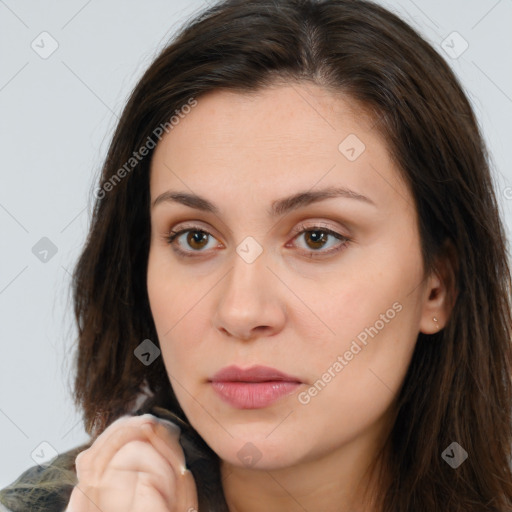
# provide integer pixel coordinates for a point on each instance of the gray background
(57, 115)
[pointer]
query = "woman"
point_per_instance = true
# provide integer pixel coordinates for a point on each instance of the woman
(296, 252)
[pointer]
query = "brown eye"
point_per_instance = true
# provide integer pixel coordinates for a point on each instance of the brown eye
(191, 241)
(316, 238)
(197, 239)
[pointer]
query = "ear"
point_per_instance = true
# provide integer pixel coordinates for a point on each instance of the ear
(440, 291)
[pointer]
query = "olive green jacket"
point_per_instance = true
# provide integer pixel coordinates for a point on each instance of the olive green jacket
(43, 488)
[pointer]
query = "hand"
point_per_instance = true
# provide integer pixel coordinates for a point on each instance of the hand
(135, 465)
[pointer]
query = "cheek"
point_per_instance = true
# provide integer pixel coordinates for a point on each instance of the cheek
(357, 378)
(374, 321)
(176, 309)
(171, 298)
(369, 305)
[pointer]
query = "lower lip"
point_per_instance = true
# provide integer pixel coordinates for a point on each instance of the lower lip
(253, 395)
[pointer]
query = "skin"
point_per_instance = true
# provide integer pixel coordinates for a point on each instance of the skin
(135, 465)
(287, 309)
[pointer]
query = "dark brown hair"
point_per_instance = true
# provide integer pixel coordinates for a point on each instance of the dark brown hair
(458, 385)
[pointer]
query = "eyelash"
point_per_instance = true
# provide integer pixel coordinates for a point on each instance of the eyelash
(172, 235)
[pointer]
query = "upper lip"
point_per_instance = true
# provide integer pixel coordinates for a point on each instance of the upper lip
(253, 374)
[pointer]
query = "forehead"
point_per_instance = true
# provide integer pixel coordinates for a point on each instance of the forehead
(289, 136)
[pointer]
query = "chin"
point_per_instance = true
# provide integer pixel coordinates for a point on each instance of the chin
(259, 453)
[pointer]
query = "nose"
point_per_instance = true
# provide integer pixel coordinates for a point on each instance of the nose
(249, 301)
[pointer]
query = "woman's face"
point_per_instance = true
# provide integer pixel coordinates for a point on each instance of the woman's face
(252, 287)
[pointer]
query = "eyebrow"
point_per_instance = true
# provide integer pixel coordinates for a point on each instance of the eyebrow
(279, 207)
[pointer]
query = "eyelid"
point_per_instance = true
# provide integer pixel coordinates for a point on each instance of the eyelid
(343, 240)
(300, 229)
(192, 226)
(301, 226)
(317, 225)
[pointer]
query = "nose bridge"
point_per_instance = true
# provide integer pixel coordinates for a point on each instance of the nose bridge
(248, 273)
(247, 299)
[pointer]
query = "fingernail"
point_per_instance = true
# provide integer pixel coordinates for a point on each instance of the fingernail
(147, 416)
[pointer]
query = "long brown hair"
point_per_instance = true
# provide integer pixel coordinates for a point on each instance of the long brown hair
(458, 386)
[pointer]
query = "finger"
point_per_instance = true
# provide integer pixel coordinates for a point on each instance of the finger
(104, 437)
(96, 458)
(140, 463)
(186, 493)
(166, 439)
(162, 434)
(136, 463)
(185, 496)
(83, 499)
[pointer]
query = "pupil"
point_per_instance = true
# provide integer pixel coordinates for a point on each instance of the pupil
(197, 237)
(318, 237)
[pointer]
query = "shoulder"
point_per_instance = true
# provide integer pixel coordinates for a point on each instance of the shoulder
(43, 488)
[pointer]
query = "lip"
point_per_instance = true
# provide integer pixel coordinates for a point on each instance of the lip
(252, 388)
(256, 373)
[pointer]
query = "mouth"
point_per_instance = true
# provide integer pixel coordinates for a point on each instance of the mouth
(252, 388)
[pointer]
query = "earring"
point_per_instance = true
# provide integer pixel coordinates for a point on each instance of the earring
(435, 320)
